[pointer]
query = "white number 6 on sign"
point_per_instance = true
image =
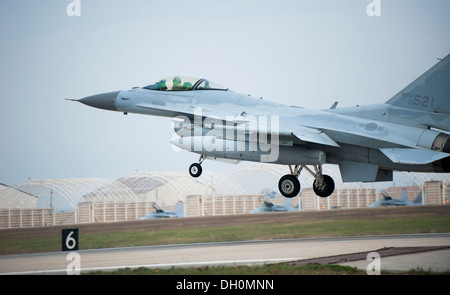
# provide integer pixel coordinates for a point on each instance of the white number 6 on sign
(70, 241)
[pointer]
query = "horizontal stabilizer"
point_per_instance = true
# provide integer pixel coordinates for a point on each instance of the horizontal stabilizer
(314, 136)
(412, 156)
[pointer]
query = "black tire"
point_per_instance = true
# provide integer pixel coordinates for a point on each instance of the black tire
(327, 189)
(195, 170)
(289, 186)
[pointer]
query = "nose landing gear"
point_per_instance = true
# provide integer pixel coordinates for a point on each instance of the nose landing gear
(195, 170)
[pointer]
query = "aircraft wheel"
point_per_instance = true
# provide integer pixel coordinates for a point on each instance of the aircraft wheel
(325, 187)
(195, 170)
(289, 186)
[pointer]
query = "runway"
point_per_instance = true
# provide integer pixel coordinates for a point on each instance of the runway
(236, 253)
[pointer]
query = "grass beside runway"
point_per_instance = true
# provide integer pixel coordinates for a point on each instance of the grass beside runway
(266, 269)
(270, 229)
(270, 269)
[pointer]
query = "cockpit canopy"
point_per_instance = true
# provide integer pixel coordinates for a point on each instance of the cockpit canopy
(183, 83)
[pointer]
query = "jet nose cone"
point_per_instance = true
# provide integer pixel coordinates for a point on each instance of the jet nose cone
(106, 101)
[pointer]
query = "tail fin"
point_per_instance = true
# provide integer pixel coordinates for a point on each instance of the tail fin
(404, 195)
(418, 199)
(288, 203)
(179, 209)
(430, 92)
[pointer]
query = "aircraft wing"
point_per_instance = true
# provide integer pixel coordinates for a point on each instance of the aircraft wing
(248, 126)
(355, 131)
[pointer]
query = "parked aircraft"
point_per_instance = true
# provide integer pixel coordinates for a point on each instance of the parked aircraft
(269, 206)
(410, 132)
(403, 201)
(160, 213)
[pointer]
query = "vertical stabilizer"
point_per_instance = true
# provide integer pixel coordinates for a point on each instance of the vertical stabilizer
(288, 204)
(179, 209)
(404, 195)
(430, 92)
(418, 199)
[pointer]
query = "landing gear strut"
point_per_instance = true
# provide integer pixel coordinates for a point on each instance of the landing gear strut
(289, 185)
(195, 170)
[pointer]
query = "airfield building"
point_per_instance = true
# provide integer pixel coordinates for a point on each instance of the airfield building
(33, 203)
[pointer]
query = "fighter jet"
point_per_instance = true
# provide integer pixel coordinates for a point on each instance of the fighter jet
(269, 206)
(389, 201)
(160, 213)
(409, 132)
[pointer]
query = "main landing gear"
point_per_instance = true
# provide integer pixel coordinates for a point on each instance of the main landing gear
(195, 170)
(289, 185)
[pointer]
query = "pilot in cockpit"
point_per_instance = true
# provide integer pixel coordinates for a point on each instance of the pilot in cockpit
(177, 86)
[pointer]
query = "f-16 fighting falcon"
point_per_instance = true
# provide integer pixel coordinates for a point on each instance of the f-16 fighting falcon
(410, 132)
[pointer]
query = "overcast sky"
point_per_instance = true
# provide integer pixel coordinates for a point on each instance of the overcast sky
(304, 53)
